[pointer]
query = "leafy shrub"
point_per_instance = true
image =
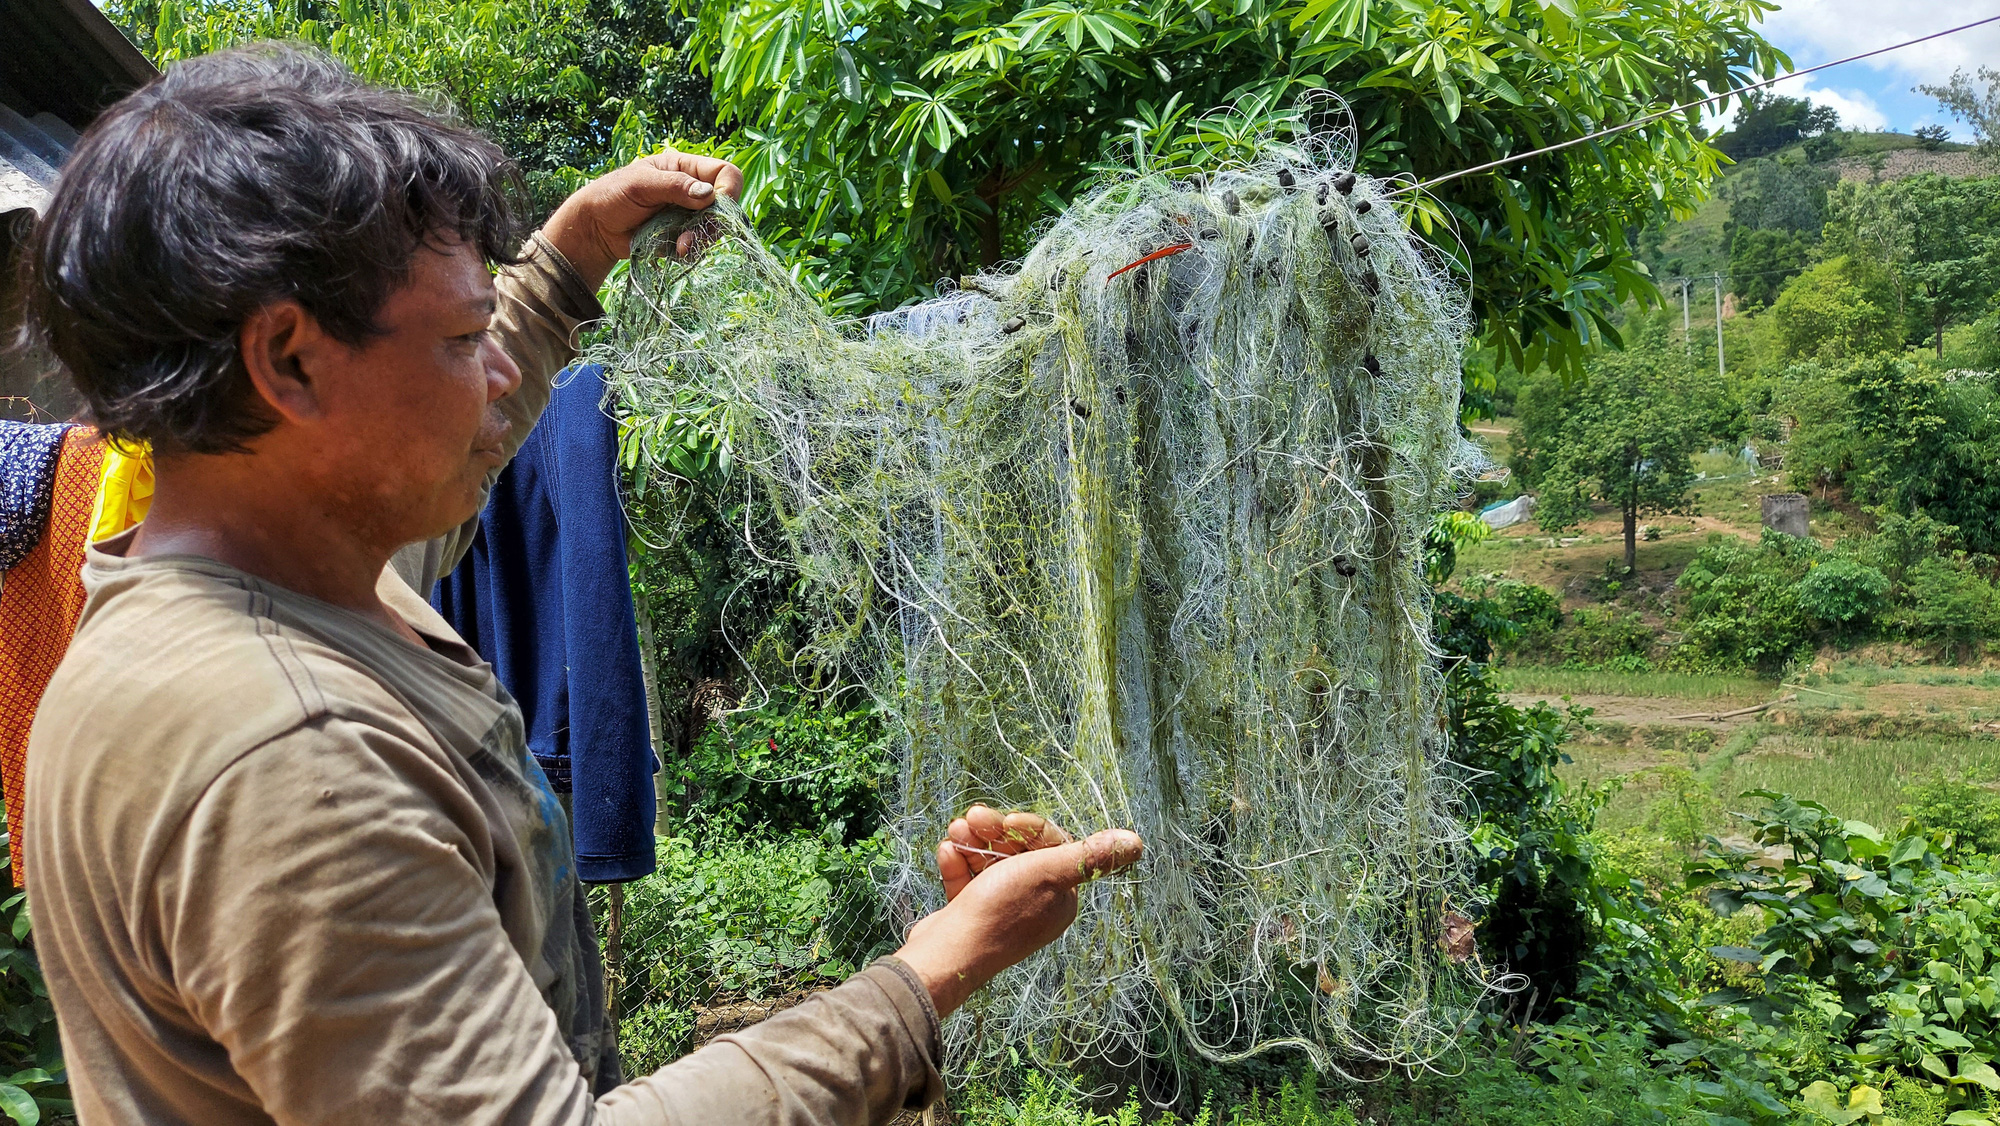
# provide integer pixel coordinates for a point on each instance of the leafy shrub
(1535, 613)
(32, 1082)
(1531, 834)
(725, 920)
(1902, 942)
(788, 766)
(1573, 1073)
(1741, 604)
(1950, 602)
(1842, 592)
(1604, 638)
(1965, 817)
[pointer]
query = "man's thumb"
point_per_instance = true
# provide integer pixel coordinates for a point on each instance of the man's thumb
(1099, 854)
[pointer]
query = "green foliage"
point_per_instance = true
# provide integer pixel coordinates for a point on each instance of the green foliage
(1951, 602)
(1843, 592)
(568, 87)
(795, 763)
(1602, 637)
(1766, 122)
(1936, 445)
(1533, 611)
(1626, 435)
(725, 920)
(1761, 262)
(1902, 942)
(899, 142)
(1532, 835)
(1741, 604)
(1841, 309)
(1936, 237)
(32, 1081)
(1962, 817)
(1776, 209)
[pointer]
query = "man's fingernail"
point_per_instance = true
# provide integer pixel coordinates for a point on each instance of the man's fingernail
(700, 188)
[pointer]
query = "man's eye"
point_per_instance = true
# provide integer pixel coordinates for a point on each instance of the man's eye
(473, 339)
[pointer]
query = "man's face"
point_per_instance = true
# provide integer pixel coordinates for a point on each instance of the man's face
(409, 426)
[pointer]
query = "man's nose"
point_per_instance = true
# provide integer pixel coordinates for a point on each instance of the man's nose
(503, 376)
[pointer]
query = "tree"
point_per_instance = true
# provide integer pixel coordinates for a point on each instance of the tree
(1626, 435)
(1776, 209)
(1975, 100)
(1935, 235)
(1953, 266)
(1930, 444)
(1766, 122)
(1932, 137)
(899, 142)
(1841, 309)
(568, 87)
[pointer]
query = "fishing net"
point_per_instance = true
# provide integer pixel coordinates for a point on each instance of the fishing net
(1133, 545)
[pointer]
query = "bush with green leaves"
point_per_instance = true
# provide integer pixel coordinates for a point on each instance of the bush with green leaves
(33, 1084)
(1898, 946)
(1573, 1073)
(732, 920)
(1963, 817)
(1740, 604)
(1603, 637)
(1534, 612)
(796, 763)
(1949, 601)
(1843, 593)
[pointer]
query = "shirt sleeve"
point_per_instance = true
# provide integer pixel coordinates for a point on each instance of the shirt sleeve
(543, 305)
(858, 1054)
(326, 915)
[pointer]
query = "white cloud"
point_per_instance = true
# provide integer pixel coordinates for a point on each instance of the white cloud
(1857, 110)
(1833, 29)
(1879, 92)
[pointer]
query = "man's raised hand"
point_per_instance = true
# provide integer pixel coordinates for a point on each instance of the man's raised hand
(1011, 882)
(594, 227)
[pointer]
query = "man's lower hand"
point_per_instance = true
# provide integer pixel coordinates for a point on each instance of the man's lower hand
(1011, 883)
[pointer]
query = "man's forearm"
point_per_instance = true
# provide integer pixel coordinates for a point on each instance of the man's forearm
(859, 1054)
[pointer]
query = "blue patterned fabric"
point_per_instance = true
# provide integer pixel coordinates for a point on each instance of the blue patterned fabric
(28, 454)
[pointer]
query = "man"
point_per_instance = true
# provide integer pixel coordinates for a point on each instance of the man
(291, 861)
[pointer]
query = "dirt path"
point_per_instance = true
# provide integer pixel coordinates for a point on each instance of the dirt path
(1641, 710)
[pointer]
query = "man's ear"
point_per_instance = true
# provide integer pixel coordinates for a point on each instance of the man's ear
(282, 345)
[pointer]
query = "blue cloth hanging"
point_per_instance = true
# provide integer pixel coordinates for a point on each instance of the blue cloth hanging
(545, 596)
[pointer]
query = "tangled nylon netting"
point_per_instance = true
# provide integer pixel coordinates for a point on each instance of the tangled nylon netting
(1134, 546)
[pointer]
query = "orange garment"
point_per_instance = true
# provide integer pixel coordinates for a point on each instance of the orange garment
(41, 598)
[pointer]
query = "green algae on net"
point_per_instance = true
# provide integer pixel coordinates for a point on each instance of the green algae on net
(1132, 538)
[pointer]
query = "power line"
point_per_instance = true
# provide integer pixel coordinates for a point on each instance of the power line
(1665, 113)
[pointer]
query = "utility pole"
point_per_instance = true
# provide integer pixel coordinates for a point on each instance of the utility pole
(1687, 327)
(1721, 368)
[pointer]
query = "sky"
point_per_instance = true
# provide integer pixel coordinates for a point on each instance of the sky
(1877, 93)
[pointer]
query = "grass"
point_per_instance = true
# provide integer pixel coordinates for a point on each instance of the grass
(1665, 685)
(1863, 779)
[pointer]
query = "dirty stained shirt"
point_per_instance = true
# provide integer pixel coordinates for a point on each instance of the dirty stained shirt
(288, 867)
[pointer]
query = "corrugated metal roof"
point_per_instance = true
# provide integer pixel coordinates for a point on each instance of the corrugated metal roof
(32, 150)
(63, 63)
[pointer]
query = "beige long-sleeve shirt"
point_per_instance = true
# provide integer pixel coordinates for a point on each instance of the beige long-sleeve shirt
(288, 867)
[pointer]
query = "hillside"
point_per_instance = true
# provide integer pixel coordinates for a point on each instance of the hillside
(1698, 246)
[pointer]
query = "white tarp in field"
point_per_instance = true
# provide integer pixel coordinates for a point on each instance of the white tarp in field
(1507, 513)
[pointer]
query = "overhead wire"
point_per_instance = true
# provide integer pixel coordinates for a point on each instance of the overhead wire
(1682, 108)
